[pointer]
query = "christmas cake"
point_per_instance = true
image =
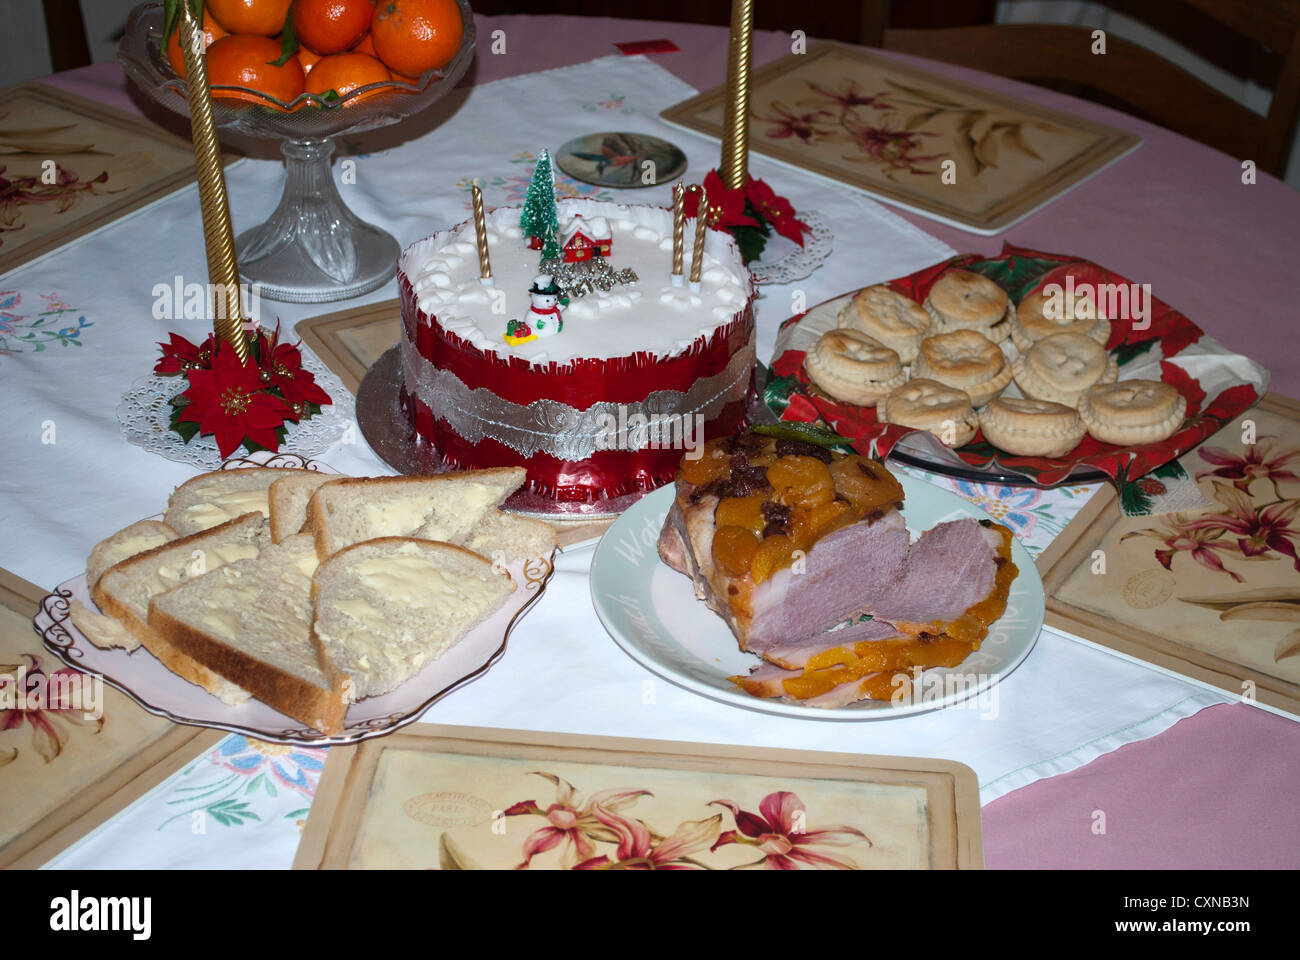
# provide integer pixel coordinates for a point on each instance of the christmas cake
(581, 357)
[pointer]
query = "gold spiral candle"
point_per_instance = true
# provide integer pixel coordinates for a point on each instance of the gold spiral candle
(480, 235)
(701, 224)
(734, 168)
(218, 232)
(679, 223)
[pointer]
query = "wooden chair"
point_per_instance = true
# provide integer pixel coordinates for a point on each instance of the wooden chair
(1133, 78)
(65, 29)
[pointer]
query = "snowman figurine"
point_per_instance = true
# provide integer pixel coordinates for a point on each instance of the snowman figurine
(544, 315)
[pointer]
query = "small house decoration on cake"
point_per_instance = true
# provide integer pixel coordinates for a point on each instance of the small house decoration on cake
(585, 239)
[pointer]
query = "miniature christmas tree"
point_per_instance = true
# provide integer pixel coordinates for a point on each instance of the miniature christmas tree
(539, 221)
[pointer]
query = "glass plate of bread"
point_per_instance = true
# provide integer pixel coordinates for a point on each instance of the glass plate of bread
(279, 599)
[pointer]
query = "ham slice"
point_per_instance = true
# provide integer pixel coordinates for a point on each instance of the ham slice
(843, 573)
(951, 568)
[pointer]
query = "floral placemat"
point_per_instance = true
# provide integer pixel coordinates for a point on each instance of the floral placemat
(966, 156)
(463, 799)
(71, 165)
(1211, 592)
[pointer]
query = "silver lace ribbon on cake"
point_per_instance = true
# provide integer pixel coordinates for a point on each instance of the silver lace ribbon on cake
(664, 419)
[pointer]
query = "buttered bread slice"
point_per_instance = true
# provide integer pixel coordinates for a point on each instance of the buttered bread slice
(385, 608)
(212, 498)
(288, 497)
(447, 507)
(125, 589)
(250, 622)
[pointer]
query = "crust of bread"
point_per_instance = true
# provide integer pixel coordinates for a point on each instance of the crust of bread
(277, 495)
(173, 659)
(319, 708)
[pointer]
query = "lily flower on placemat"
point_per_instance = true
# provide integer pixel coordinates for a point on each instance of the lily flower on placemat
(44, 703)
(571, 822)
(1259, 462)
(779, 832)
(1180, 535)
(640, 849)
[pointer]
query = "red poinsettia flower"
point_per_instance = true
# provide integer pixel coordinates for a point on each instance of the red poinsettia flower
(726, 207)
(180, 352)
(230, 401)
(281, 363)
(776, 210)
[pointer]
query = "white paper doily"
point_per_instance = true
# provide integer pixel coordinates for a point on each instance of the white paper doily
(798, 262)
(145, 417)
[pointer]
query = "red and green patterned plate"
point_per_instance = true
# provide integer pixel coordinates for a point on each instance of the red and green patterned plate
(1219, 385)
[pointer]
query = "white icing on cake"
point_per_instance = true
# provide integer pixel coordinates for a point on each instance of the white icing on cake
(651, 315)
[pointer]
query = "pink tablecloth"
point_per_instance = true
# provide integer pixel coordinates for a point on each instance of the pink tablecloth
(1221, 788)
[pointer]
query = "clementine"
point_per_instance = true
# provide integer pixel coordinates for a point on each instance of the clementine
(412, 36)
(344, 72)
(212, 32)
(332, 26)
(247, 61)
(367, 45)
(263, 18)
(307, 59)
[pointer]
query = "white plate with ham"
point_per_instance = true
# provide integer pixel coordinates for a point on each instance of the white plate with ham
(651, 611)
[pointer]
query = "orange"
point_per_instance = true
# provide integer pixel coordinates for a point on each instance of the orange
(244, 61)
(263, 18)
(212, 32)
(344, 72)
(367, 44)
(412, 36)
(307, 59)
(332, 26)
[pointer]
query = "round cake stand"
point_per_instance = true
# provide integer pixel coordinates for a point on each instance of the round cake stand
(387, 429)
(313, 248)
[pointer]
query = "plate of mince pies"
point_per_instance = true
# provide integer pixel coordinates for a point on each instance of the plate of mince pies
(985, 368)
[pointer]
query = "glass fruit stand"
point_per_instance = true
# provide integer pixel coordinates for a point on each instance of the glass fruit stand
(312, 249)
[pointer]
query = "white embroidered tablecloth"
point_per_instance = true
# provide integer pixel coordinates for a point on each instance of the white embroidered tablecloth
(88, 306)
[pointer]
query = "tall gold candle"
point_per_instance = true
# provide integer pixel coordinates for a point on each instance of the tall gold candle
(679, 223)
(218, 232)
(480, 234)
(734, 168)
(701, 224)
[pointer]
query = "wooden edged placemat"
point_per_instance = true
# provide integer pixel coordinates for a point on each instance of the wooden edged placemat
(64, 770)
(963, 155)
(350, 341)
(1204, 593)
(74, 165)
(465, 798)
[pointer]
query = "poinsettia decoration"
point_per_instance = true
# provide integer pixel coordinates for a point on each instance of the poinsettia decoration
(245, 403)
(749, 214)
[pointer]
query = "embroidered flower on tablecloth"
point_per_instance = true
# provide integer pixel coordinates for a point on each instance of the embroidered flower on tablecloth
(298, 768)
(1004, 503)
(18, 331)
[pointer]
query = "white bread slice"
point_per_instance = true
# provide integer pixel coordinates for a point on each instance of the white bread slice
(386, 607)
(212, 498)
(288, 497)
(445, 507)
(127, 542)
(250, 622)
(506, 538)
(125, 589)
(104, 632)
